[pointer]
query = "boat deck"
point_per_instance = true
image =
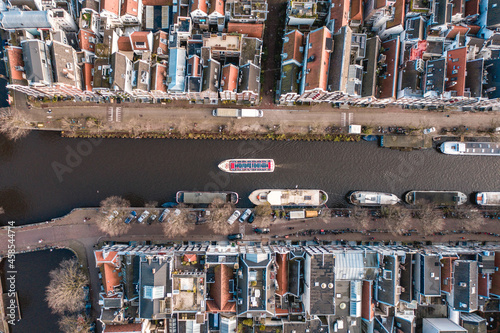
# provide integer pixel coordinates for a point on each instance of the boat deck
(242, 165)
(438, 198)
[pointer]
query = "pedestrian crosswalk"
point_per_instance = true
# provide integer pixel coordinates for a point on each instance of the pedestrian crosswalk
(114, 114)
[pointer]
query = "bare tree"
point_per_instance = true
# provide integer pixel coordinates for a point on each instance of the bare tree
(430, 217)
(264, 209)
(361, 217)
(66, 293)
(74, 324)
(468, 218)
(110, 219)
(219, 213)
(177, 223)
(396, 219)
(14, 125)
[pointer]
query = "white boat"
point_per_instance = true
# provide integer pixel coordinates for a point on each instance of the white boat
(247, 165)
(470, 148)
(488, 198)
(295, 197)
(366, 198)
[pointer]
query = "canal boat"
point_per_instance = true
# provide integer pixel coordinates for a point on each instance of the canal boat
(439, 198)
(488, 198)
(247, 165)
(470, 148)
(366, 198)
(370, 137)
(294, 197)
(205, 198)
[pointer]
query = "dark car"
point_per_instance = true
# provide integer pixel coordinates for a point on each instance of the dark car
(251, 218)
(261, 230)
(234, 236)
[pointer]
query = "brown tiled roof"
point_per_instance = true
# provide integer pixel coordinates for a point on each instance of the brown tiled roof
(458, 7)
(399, 14)
(194, 61)
(282, 274)
(123, 328)
(292, 47)
(456, 63)
(447, 273)
(380, 3)
(189, 257)
(158, 45)
(217, 6)
(357, 10)
(15, 56)
(112, 6)
(229, 81)
(483, 285)
(84, 39)
(199, 4)
(110, 277)
(124, 44)
(157, 2)
(473, 29)
(160, 75)
(319, 56)
(88, 78)
(387, 83)
(219, 291)
(457, 29)
(108, 257)
(141, 37)
(339, 11)
(130, 7)
(250, 29)
(471, 7)
(367, 303)
(495, 277)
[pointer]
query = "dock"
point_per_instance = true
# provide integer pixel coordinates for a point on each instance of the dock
(406, 142)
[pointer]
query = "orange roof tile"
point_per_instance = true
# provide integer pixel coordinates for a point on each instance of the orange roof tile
(123, 328)
(108, 257)
(473, 29)
(219, 291)
(292, 47)
(199, 4)
(357, 10)
(389, 80)
(447, 273)
(399, 14)
(229, 80)
(495, 277)
(282, 274)
(112, 6)
(367, 303)
(140, 37)
(456, 63)
(130, 7)
(457, 29)
(418, 52)
(319, 56)
(124, 44)
(161, 75)
(194, 61)
(110, 278)
(250, 29)
(16, 62)
(88, 78)
(216, 6)
(84, 37)
(339, 11)
(189, 257)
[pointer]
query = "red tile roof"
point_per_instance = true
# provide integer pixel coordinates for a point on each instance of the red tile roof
(84, 37)
(367, 303)
(199, 4)
(105, 257)
(157, 2)
(229, 81)
(217, 6)
(447, 273)
(124, 44)
(16, 62)
(495, 277)
(473, 29)
(471, 7)
(88, 78)
(112, 6)
(194, 61)
(219, 291)
(161, 48)
(399, 14)
(457, 29)
(132, 328)
(189, 257)
(418, 52)
(317, 68)
(456, 63)
(292, 47)
(110, 278)
(282, 274)
(389, 80)
(140, 37)
(357, 10)
(339, 11)
(161, 76)
(130, 7)
(252, 30)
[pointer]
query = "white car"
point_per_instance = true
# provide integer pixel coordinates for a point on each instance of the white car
(143, 216)
(234, 217)
(429, 130)
(245, 215)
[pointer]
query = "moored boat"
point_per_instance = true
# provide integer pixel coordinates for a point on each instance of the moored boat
(366, 198)
(370, 137)
(470, 148)
(247, 165)
(439, 198)
(294, 197)
(205, 198)
(488, 198)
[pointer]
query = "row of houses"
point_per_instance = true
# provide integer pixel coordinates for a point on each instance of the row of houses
(384, 51)
(139, 50)
(297, 288)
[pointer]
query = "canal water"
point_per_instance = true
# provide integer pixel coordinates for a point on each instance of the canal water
(31, 280)
(45, 176)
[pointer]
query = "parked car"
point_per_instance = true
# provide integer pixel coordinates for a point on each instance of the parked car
(131, 217)
(261, 230)
(233, 217)
(429, 130)
(234, 236)
(163, 215)
(152, 218)
(244, 216)
(251, 218)
(143, 216)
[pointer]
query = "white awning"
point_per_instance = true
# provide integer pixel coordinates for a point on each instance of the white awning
(274, 198)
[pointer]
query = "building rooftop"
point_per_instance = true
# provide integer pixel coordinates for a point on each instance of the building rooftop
(369, 85)
(154, 284)
(65, 68)
(465, 288)
(250, 29)
(388, 281)
(293, 47)
(318, 59)
(339, 13)
(16, 64)
(388, 77)
(456, 64)
(474, 75)
(249, 78)
(18, 19)
(220, 293)
(250, 51)
(322, 284)
(37, 61)
(229, 79)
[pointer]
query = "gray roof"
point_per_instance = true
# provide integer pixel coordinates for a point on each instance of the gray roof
(153, 274)
(250, 50)
(442, 11)
(249, 78)
(486, 262)
(102, 72)
(339, 60)
(474, 77)
(465, 287)
(64, 64)
(406, 280)
(211, 76)
(142, 76)
(119, 74)
(493, 14)
(415, 28)
(295, 271)
(370, 67)
(430, 274)
(17, 19)
(322, 284)
(492, 78)
(193, 84)
(438, 70)
(411, 78)
(289, 78)
(37, 61)
(387, 281)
